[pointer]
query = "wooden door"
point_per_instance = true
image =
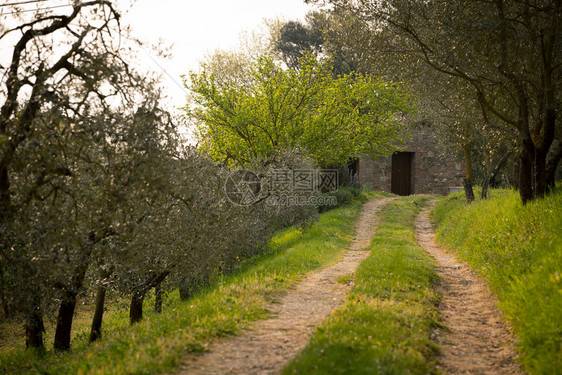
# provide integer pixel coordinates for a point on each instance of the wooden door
(401, 177)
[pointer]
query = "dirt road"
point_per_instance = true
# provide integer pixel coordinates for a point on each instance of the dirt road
(271, 343)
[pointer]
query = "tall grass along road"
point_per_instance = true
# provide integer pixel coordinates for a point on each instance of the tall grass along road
(518, 251)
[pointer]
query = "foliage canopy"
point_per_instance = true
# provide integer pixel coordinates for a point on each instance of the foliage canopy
(329, 119)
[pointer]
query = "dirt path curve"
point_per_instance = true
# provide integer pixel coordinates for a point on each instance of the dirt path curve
(477, 340)
(273, 342)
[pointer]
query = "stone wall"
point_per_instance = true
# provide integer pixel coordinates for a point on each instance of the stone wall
(433, 171)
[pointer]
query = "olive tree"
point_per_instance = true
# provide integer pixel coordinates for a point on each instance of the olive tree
(67, 83)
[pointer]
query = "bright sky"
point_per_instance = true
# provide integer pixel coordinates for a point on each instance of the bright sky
(194, 28)
(198, 27)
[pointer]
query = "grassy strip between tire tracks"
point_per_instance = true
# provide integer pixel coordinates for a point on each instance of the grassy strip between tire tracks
(160, 341)
(384, 326)
(518, 250)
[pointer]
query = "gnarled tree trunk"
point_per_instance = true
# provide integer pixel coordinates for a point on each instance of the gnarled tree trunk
(467, 181)
(526, 185)
(4, 297)
(468, 191)
(137, 298)
(492, 174)
(66, 311)
(552, 164)
(95, 331)
(135, 309)
(158, 293)
(34, 326)
(64, 321)
(68, 303)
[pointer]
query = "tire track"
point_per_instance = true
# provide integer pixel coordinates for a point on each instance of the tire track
(477, 339)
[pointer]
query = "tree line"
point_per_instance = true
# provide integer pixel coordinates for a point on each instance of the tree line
(98, 192)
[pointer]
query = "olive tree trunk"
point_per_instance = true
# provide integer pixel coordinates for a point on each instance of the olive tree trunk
(158, 294)
(34, 326)
(95, 331)
(492, 174)
(137, 298)
(467, 181)
(135, 309)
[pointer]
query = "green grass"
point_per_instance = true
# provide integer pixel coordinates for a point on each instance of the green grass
(345, 279)
(160, 341)
(384, 325)
(518, 249)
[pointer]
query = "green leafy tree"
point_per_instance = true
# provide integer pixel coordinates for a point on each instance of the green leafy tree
(329, 119)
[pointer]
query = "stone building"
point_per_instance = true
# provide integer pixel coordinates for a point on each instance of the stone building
(422, 168)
